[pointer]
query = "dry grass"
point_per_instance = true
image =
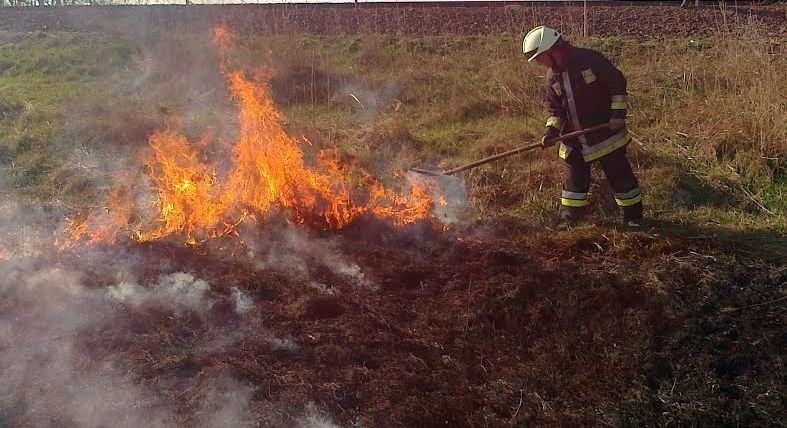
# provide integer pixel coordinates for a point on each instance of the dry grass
(708, 115)
(718, 107)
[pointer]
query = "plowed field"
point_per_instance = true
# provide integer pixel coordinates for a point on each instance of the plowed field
(431, 19)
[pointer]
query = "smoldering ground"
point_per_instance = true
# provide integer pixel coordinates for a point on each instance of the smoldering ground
(137, 334)
(69, 329)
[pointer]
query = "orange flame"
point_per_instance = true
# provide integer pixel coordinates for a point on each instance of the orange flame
(270, 173)
(102, 226)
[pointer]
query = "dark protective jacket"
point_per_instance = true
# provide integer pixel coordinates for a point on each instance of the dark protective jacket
(588, 91)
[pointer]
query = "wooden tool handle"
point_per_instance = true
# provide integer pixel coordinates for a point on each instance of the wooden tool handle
(525, 148)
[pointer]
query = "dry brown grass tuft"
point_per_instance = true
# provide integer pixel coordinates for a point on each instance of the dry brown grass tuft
(718, 108)
(738, 103)
(387, 146)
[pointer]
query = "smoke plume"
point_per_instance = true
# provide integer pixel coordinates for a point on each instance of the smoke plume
(55, 306)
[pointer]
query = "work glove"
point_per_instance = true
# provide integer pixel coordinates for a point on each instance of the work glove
(617, 123)
(550, 133)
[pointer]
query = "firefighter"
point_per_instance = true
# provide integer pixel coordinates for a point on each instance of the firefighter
(584, 89)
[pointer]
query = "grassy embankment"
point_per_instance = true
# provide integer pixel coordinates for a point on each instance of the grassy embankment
(708, 115)
(711, 138)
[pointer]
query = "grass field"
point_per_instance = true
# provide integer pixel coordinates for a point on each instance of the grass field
(707, 115)
(700, 340)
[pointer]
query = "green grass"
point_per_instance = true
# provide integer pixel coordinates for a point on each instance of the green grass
(43, 77)
(709, 122)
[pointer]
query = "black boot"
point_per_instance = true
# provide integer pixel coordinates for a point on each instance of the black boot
(568, 217)
(632, 216)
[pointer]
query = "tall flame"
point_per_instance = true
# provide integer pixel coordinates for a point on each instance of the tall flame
(269, 173)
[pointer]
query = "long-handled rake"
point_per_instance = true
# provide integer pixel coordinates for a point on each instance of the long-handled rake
(509, 153)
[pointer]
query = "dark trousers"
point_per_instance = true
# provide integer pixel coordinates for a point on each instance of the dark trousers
(576, 183)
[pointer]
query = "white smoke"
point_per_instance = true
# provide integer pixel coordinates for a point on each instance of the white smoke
(353, 273)
(221, 338)
(58, 307)
(44, 374)
(227, 404)
(315, 418)
(23, 229)
(242, 302)
(451, 199)
(291, 252)
(178, 291)
(322, 288)
(367, 103)
(451, 205)
(49, 373)
(286, 344)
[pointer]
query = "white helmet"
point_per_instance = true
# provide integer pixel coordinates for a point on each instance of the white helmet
(539, 40)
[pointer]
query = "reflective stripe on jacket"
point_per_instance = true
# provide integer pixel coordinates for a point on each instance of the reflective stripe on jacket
(589, 91)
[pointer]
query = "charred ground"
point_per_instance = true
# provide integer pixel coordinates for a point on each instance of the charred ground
(600, 326)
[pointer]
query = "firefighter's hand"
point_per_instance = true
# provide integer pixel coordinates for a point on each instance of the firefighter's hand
(548, 140)
(615, 124)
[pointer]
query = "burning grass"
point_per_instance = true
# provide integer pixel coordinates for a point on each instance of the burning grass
(269, 171)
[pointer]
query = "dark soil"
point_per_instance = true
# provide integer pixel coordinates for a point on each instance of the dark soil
(625, 19)
(668, 325)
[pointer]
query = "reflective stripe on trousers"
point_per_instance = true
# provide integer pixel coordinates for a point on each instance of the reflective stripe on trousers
(617, 169)
(573, 199)
(629, 198)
